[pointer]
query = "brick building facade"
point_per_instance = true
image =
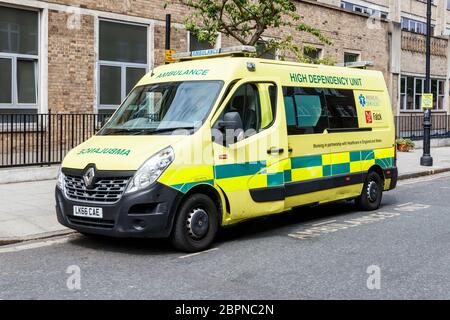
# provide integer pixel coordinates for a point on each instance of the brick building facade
(83, 56)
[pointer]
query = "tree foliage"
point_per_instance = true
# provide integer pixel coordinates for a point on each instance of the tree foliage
(247, 21)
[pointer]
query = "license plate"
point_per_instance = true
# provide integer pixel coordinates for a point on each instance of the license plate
(88, 212)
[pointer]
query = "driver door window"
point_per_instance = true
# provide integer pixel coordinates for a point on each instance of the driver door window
(255, 104)
(246, 102)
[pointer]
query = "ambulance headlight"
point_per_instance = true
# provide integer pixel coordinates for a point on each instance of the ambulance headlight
(151, 170)
(60, 179)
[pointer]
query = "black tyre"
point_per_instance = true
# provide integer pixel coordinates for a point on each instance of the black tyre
(372, 192)
(196, 224)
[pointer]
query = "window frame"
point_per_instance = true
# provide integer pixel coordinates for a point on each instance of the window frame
(412, 25)
(403, 95)
(372, 12)
(15, 104)
(416, 94)
(441, 82)
(123, 65)
(123, 80)
(354, 53)
(359, 9)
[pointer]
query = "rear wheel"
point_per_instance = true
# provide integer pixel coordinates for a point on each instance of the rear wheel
(372, 193)
(196, 224)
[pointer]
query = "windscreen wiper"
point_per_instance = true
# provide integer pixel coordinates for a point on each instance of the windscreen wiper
(171, 129)
(118, 131)
(133, 132)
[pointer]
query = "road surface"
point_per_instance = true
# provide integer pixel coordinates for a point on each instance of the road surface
(401, 251)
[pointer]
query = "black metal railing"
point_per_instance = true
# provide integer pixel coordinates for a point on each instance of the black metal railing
(411, 126)
(43, 139)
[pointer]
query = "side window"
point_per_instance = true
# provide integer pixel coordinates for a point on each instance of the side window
(306, 111)
(246, 102)
(341, 108)
(256, 105)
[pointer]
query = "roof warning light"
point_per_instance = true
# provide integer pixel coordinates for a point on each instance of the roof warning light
(230, 51)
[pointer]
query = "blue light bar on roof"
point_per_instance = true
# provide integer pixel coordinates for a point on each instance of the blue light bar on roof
(214, 52)
(206, 52)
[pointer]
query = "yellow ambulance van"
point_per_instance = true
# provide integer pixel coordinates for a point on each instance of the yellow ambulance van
(221, 137)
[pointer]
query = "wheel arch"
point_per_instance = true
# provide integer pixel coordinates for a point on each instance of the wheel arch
(376, 168)
(207, 190)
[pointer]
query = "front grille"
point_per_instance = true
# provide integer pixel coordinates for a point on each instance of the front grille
(89, 222)
(106, 190)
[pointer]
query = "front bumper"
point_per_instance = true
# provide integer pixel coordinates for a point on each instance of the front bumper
(145, 214)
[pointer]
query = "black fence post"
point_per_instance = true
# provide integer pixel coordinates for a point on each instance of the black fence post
(60, 137)
(24, 149)
(49, 131)
(11, 142)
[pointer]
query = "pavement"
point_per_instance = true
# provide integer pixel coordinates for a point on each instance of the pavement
(400, 251)
(27, 209)
(408, 162)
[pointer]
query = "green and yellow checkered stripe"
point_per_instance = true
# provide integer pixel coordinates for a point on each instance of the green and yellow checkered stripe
(327, 165)
(268, 174)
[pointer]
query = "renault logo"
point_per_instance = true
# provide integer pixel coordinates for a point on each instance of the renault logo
(88, 178)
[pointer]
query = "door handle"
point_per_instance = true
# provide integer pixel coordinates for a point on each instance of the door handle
(274, 150)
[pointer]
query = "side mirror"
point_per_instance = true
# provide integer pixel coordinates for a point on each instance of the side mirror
(231, 127)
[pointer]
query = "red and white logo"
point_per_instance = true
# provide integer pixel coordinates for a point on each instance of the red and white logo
(368, 116)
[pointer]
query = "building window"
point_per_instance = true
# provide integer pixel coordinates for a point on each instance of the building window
(122, 60)
(362, 9)
(448, 4)
(418, 91)
(19, 58)
(312, 54)
(406, 89)
(263, 52)
(437, 89)
(351, 57)
(412, 88)
(358, 9)
(415, 26)
(195, 44)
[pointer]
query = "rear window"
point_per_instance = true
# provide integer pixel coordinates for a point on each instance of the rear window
(341, 109)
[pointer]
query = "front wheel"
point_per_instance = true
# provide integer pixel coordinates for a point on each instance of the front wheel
(370, 198)
(196, 224)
